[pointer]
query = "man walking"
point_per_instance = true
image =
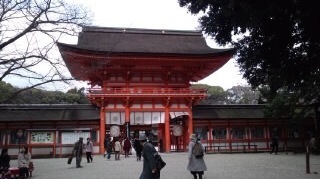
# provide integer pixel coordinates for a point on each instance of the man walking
(149, 164)
(77, 152)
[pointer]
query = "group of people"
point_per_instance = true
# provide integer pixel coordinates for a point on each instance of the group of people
(117, 147)
(24, 160)
(141, 145)
(143, 149)
(109, 146)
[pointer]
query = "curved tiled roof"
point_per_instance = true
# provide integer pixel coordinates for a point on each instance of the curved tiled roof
(46, 112)
(131, 40)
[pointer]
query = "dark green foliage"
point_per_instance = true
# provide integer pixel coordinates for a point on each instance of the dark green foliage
(242, 95)
(6, 90)
(278, 47)
(216, 94)
(235, 95)
(37, 96)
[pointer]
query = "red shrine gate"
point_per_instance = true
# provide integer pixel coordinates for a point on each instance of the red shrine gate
(141, 80)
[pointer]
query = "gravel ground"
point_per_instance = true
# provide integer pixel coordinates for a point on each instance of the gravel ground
(220, 166)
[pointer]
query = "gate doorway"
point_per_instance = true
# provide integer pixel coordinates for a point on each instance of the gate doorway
(177, 134)
(177, 143)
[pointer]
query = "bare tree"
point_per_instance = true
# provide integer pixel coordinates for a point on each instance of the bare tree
(29, 30)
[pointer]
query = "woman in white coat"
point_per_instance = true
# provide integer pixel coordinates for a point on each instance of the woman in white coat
(196, 166)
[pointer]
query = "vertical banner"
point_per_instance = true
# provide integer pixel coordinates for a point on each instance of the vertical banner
(138, 117)
(156, 117)
(117, 118)
(147, 117)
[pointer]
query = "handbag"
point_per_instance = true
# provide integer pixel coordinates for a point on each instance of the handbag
(70, 159)
(31, 166)
(159, 162)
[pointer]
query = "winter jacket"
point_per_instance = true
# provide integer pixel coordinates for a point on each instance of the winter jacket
(89, 147)
(195, 164)
(24, 159)
(149, 162)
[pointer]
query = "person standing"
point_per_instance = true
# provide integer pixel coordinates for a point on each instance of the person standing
(117, 149)
(312, 143)
(109, 147)
(78, 151)
(4, 163)
(126, 147)
(89, 149)
(105, 144)
(138, 148)
(149, 170)
(196, 166)
(24, 159)
(275, 141)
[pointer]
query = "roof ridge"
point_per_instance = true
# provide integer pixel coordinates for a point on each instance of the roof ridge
(141, 30)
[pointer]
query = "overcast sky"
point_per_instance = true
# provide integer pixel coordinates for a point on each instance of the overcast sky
(158, 14)
(151, 14)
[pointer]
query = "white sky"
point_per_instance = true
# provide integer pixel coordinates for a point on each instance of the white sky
(155, 14)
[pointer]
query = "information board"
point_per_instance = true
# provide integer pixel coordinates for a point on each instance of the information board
(41, 137)
(72, 137)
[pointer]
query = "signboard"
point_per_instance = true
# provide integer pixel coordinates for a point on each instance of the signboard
(41, 137)
(72, 137)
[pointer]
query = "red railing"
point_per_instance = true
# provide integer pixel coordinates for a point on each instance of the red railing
(120, 92)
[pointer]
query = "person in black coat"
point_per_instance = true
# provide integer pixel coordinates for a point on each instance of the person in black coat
(105, 144)
(138, 148)
(4, 162)
(275, 141)
(78, 151)
(149, 163)
(108, 146)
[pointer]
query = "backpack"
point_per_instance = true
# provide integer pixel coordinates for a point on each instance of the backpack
(197, 150)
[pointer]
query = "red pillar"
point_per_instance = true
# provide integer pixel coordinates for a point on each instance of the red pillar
(102, 129)
(127, 116)
(189, 129)
(167, 130)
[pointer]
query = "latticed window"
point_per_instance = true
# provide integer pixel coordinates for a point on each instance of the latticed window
(202, 132)
(94, 136)
(219, 133)
(15, 139)
(293, 134)
(238, 133)
(257, 133)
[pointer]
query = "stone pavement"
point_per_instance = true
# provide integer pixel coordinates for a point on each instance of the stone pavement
(220, 166)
